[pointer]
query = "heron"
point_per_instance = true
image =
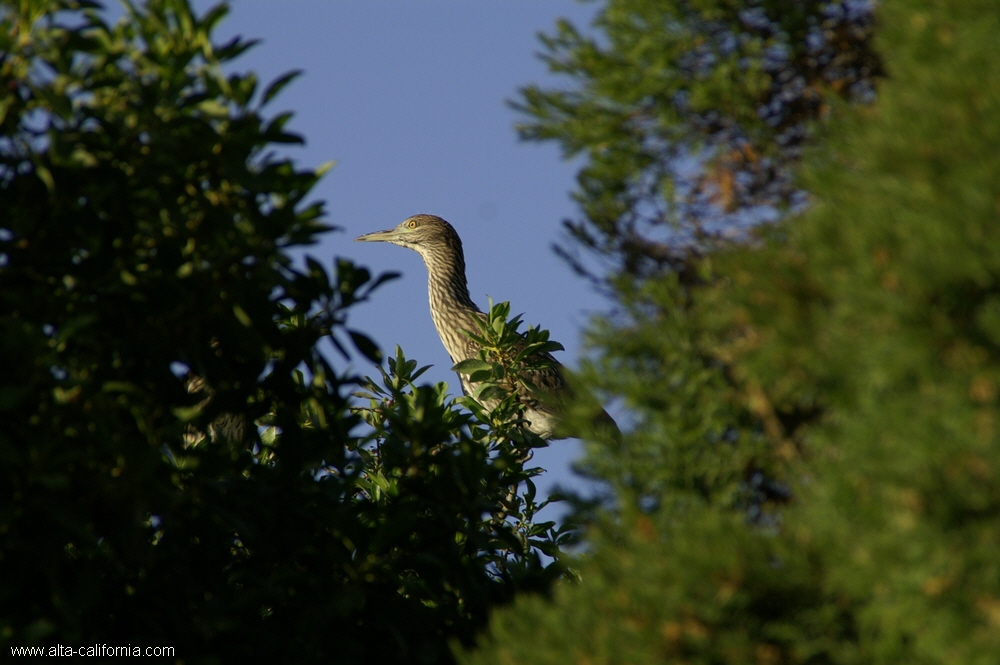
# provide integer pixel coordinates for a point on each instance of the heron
(543, 390)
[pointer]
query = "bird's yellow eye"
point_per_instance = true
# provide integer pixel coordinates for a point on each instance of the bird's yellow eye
(412, 224)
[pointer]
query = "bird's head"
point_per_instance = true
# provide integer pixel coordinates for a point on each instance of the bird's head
(422, 233)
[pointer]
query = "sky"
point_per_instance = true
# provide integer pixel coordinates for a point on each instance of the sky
(410, 100)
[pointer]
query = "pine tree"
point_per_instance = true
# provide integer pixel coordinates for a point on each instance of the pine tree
(849, 353)
(691, 116)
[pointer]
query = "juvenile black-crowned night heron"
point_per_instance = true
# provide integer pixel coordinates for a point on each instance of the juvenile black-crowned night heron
(230, 427)
(453, 311)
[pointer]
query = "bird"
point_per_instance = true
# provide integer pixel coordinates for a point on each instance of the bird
(453, 311)
(234, 428)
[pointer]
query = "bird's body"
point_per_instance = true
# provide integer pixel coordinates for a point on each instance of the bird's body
(230, 427)
(453, 311)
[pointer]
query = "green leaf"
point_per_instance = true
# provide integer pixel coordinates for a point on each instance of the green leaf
(45, 175)
(488, 392)
(187, 413)
(316, 269)
(366, 346)
(471, 365)
(242, 316)
(278, 84)
(269, 436)
(482, 375)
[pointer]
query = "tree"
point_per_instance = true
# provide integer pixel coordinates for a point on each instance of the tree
(145, 237)
(692, 115)
(851, 353)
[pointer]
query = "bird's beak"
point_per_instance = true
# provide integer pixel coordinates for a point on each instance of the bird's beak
(388, 235)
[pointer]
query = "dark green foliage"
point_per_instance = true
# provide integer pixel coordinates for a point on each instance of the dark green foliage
(902, 271)
(698, 434)
(706, 591)
(851, 353)
(144, 228)
(505, 352)
(479, 455)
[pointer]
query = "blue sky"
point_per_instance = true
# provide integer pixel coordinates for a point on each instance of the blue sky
(409, 98)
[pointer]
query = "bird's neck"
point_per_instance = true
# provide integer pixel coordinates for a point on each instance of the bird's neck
(448, 288)
(451, 307)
